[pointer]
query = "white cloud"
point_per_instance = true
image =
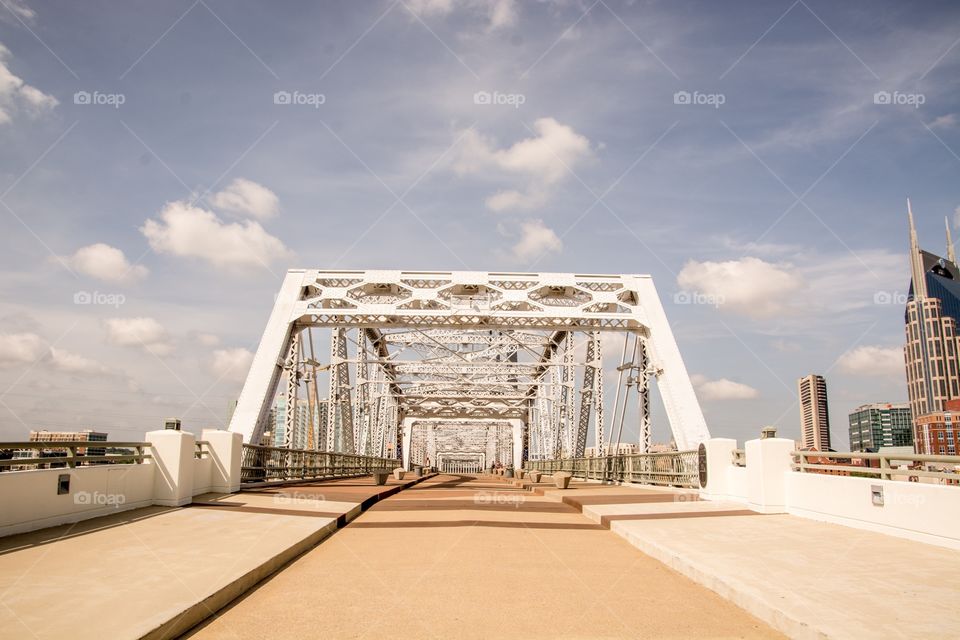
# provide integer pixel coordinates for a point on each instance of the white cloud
(231, 364)
(17, 96)
(541, 162)
(537, 239)
(873, 361)
(68, 362)
(749, 286)
(19, 10)
(946, 121)
(208, 339)
(722, 389)
(246, 197)
(498, 13)
(105, 263)
(20, 348)
(190, 231)
(139, 332)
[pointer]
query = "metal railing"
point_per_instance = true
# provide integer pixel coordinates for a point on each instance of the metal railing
(671, 469)
(739, 458)
(276, 464)
(945, 469)
(72, 454)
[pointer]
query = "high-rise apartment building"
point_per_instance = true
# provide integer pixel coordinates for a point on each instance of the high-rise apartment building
(932, 349)
(881, 425)
(814, 413)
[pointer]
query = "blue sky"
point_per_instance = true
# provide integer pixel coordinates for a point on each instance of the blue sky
(774, 200)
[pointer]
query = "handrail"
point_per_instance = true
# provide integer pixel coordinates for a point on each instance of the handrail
(69, 454)
(267, 465)
(841, 463)
(739, 458)
(671, 469)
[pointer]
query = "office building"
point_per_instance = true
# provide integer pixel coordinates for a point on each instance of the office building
(881, 425)
(932, 347)
(814, 413)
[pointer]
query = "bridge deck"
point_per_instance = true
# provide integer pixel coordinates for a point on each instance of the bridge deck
(159, 570)
(465, 558)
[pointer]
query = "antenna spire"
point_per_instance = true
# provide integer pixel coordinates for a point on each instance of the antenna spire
(917, 272)
(951, 254)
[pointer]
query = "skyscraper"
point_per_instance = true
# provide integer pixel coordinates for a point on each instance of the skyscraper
(932, 347)
(814, 415)
(881, 425)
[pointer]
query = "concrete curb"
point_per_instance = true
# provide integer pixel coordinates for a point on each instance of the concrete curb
(199, 612)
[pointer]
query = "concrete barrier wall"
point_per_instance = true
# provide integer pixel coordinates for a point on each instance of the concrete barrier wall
(923, 512)
(30, 501)
(201, 475)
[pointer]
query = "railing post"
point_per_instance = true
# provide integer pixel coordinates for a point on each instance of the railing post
(225, 449)
(173, 455)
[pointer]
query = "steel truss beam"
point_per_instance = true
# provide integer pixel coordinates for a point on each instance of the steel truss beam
(465, 345)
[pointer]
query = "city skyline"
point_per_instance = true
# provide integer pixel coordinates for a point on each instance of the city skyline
(757, 172)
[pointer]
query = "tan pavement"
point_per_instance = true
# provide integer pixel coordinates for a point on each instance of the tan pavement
(456, 557)
(154, 571)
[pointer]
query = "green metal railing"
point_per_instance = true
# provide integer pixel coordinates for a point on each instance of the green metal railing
(672, 469)
(261, 465)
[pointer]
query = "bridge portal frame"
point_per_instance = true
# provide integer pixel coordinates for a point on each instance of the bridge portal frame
(467, 301)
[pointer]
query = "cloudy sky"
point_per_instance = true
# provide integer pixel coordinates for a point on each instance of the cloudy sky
(162, 165)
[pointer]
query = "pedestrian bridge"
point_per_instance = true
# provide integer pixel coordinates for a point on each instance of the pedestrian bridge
(369, 510)
(762, 541)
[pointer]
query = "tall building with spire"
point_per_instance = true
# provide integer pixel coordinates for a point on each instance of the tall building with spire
(932, 350)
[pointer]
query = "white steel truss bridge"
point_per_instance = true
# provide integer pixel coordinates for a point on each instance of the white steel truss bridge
(464, 366)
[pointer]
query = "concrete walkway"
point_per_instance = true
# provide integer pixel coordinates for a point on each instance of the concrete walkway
(156, 572)
(806, 578)
(456, 557)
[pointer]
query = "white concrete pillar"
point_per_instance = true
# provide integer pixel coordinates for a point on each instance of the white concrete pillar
(173, 453)
(407, 442)
(768, 461)
(517, 426)
(719, 461)
(226, 453)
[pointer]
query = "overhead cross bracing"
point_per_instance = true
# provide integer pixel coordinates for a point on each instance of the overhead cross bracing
(531, 349)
